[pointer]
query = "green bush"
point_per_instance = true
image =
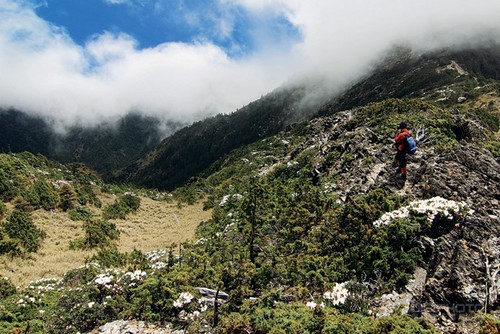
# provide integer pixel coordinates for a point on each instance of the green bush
(22, 204)
(488, 323)
(110, 257)
(98, 234)
(9, 246)
(126, 204)
(67, 198)
(80, 214)
(43, 195)
(86, 195)
(489, 118)
(6, 288)
(81, 276)
(3, 210)
(20, 226)
(389, 252)
(7, 191)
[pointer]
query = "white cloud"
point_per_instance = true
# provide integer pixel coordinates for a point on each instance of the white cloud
(43, 71)
(117, 2)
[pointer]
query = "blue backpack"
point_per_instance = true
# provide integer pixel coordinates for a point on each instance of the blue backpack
(411, 145)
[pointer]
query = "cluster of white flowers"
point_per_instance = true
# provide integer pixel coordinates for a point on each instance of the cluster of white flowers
(329, 187)
(26, 300)
(338, 295)
(159, 265)
(41, 171)
(61, 183)
(311, 304)
(228, 197)
(161, 196)
(185, 316)
(45, 284)
(184, 299)
(201, 241)
(132, 278)
(290, 164)
(104, 280)
(137, 275)
(157, 255)
(432, 207)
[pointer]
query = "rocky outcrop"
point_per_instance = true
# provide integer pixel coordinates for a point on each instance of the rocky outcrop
(460, 273)
(134, 327)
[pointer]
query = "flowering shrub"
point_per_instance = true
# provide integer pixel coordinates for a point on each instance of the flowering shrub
(430, 207)
(183, 300)
(338, 295)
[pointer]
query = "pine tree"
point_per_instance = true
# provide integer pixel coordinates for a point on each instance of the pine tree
(67, 198)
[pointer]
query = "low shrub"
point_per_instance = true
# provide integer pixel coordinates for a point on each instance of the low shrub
(67, 198)
(110, 257)
(126, 204)
(80, 214)
(86, 195)
(6, 288)
(98, 234)
(3, 210)
(20, 227)
(43, 195)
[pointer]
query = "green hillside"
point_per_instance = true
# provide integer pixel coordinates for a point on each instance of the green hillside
(298, 241)
(440, 78)
(307, 227)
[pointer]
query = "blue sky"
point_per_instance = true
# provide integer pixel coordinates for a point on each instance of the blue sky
(152, 22)
(87, 61)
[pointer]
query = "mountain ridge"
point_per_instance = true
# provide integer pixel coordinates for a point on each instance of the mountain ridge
(311, 231)
(402, 76)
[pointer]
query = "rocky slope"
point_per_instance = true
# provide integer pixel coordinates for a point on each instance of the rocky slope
(441, 77)
(454, 181)
(460, 270)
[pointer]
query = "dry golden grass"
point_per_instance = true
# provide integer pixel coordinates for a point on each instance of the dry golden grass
(156, 224)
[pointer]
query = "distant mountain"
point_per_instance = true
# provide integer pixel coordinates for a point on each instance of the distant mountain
(104, 147)
(444, 76)
(193, 149)
(441, 77)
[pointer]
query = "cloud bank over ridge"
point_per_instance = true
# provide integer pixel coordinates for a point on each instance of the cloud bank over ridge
(45, 72)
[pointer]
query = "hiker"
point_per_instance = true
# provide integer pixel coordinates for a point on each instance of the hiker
(402, 133)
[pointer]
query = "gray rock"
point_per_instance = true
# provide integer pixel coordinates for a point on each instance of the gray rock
(134, 327)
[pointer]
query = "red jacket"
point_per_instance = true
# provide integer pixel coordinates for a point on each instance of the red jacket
(400, 139)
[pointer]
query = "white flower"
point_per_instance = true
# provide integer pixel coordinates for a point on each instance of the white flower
(42, 312)
(159, 265)
(228, 197)
(91, 304)
(311, 305)
(338, 295)
(203, 307)
(104, 279)
(432, 207)
(184, 299)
